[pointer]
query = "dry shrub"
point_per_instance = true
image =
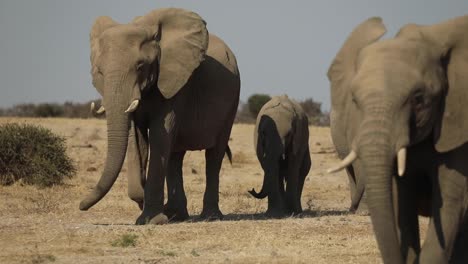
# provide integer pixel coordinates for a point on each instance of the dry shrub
(34, 155)
(41, 202)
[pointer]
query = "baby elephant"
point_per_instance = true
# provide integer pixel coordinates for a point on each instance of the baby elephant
(282, 142)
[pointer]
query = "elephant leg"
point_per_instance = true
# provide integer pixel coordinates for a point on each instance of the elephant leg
(460, 254)
(283, 175)
(292, 186)
(357, 188)
(176, 206)
(304, 170)
(449, 191)
(214, 159)
(137, 159)
(154, 190)
(160, 138)
(407, 217)
(353, 189)
(276, 171)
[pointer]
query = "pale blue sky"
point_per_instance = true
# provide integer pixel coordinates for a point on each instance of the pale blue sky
(281, 46)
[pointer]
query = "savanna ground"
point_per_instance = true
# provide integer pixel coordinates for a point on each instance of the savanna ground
(45, 225)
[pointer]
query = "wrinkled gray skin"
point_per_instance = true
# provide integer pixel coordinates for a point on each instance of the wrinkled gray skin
(187, 85)
(410, 91)
(282, 146)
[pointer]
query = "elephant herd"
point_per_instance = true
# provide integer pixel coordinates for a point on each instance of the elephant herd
(398, 122)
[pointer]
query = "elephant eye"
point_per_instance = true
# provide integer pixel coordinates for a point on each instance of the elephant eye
(140, 65)
(353, 99)
(98, 70)
(418, 99)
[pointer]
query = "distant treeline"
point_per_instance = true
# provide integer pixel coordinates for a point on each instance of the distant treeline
(247, 112)
(67, 110)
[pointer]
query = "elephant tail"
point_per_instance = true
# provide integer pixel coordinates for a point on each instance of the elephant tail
(263, 128)
(262, 194)
(229, 153)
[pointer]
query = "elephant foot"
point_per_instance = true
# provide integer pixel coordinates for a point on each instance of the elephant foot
(293, 210)
(159, 219)
(275, 213)
(176, 213)
(296, 212)
(278, 209)
(211, 214)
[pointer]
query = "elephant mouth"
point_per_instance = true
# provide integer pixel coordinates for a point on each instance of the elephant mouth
(148, 77)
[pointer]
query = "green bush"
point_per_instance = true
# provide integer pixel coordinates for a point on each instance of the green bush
(33, 155)
(313, 109)
(256, 101)
(126, 240)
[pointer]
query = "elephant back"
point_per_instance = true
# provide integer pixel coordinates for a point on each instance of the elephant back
(284, 112)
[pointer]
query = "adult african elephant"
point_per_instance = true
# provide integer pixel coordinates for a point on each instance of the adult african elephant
(399, 107)
(175, 88)
(282, 145)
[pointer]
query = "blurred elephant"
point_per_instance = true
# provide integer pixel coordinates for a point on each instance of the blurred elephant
(282, 146)
(399, 108)
(167, 86)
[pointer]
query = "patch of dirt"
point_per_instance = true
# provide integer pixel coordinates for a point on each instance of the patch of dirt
(45, 225)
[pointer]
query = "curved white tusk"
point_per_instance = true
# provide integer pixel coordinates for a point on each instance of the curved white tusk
(352, 156)
(401, 161)
(101, 110)
(93, 105)
(133, 106)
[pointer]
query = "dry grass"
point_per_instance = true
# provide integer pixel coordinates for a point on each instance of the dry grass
(45, 225)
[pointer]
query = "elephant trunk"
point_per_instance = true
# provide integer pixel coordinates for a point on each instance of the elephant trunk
(265, 187)
(377, 154)
(117, 141)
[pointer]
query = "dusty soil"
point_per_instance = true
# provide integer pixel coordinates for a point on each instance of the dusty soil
(45, 225)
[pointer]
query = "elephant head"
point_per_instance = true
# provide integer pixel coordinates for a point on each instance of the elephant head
(395, 93)
(157, 51)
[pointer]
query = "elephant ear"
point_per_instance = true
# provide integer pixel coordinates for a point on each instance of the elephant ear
(452, 38)
(343, 66)
(100, 25)
(183, 40)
